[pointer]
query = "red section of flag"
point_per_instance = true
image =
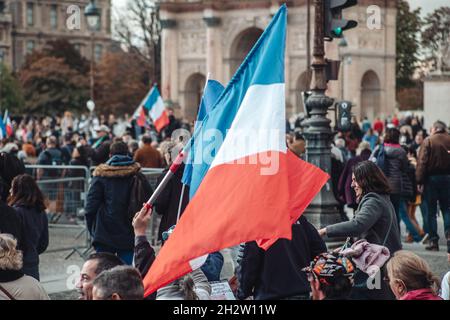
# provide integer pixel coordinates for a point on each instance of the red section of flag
(142, 117)
(236, 204)
(162, 121)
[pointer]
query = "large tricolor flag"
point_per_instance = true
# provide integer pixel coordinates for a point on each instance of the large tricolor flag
(249, 191)
(213, 90)
(152, 104)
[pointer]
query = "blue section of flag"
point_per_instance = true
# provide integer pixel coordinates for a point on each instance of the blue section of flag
(3, 133)
(263, 65)
(152, 98)
(212, 92)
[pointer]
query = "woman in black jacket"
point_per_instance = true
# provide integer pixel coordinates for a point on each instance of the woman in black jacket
(28, 202)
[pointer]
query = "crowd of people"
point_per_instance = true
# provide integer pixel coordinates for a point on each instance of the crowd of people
(382, 171)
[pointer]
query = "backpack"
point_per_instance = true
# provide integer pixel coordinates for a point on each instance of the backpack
(140, 192)
(381, 159)
(55, 158)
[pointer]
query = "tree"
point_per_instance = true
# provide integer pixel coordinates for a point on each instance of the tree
(11, 97)
(61, 48)
(408, 27)
(120, 83)
(51, 86)
(436, 38)
(139, 29)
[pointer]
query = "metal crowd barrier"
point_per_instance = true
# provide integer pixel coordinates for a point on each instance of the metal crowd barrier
(66, 188)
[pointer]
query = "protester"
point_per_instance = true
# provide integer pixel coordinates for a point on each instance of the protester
(276, 273)
(395, 167)
(14, 284)
(433, 179)
(109, 206)
(101, 146)
(147, 156)
(168, 203)
(118, 283)
(410, 277)
(95, 264)
(10, 167)
(298, 145)
(345, 192)
(330, 277)
(28, 202)
(371, 138)
(445, 287)
(378, 126)
(51, 156)
(374, 220)
(366, 125)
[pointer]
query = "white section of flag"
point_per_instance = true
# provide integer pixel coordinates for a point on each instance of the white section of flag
(256, 127)
(157, 109)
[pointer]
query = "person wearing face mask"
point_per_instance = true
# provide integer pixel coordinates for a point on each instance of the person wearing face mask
(374, 220)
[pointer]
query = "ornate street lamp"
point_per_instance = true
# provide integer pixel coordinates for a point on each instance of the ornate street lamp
(92, 14)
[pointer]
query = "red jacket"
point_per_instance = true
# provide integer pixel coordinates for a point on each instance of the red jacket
(420, 294)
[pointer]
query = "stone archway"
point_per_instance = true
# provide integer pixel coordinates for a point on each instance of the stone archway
(241, 46)
(303, 83)
(194, 86)
(370, 95)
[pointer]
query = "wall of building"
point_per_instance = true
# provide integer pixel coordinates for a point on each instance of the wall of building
(200, 38)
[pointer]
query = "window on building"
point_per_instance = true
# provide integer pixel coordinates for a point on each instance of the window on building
(30, 14)
(98, 51)
(30, 46)
(54, 16)
(2, 6)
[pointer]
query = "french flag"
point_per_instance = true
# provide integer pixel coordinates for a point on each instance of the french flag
(152, 104)
(248, 191)
(8, 124)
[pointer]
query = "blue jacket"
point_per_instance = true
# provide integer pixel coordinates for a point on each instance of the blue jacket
(107, 203)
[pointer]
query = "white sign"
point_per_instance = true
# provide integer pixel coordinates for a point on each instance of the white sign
(221, 290)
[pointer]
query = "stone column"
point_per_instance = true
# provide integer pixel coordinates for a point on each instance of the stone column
(169, 60)
(213, 45)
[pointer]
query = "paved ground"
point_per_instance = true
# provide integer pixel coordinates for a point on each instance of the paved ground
(59, 274)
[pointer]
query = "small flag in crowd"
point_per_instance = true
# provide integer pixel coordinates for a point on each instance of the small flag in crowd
(8, 124)
(237, 200)
(212, 92)
(152, 104)
(3, 132)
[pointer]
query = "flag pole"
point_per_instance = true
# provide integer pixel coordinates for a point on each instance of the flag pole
(172, 170)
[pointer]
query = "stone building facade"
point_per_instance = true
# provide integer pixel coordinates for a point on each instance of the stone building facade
(27, 25)
(204, 36)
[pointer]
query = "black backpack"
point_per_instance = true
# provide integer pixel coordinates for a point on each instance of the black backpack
(140, 192)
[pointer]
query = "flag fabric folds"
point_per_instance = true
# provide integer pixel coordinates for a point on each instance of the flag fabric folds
(3, 132)
(8, 124)
(212, 92)
(253, 187)
(152, 104)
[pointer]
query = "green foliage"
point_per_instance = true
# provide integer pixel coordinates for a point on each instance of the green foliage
(409, 25)
(11, 97)
(435, 36)
(55, 79)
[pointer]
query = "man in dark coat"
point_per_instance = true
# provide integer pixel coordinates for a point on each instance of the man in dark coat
(107, 207)
(100, 149)
(277, 273)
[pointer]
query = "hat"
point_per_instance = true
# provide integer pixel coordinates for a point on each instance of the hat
(103, 128)
(326, 267)
(10, 147)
